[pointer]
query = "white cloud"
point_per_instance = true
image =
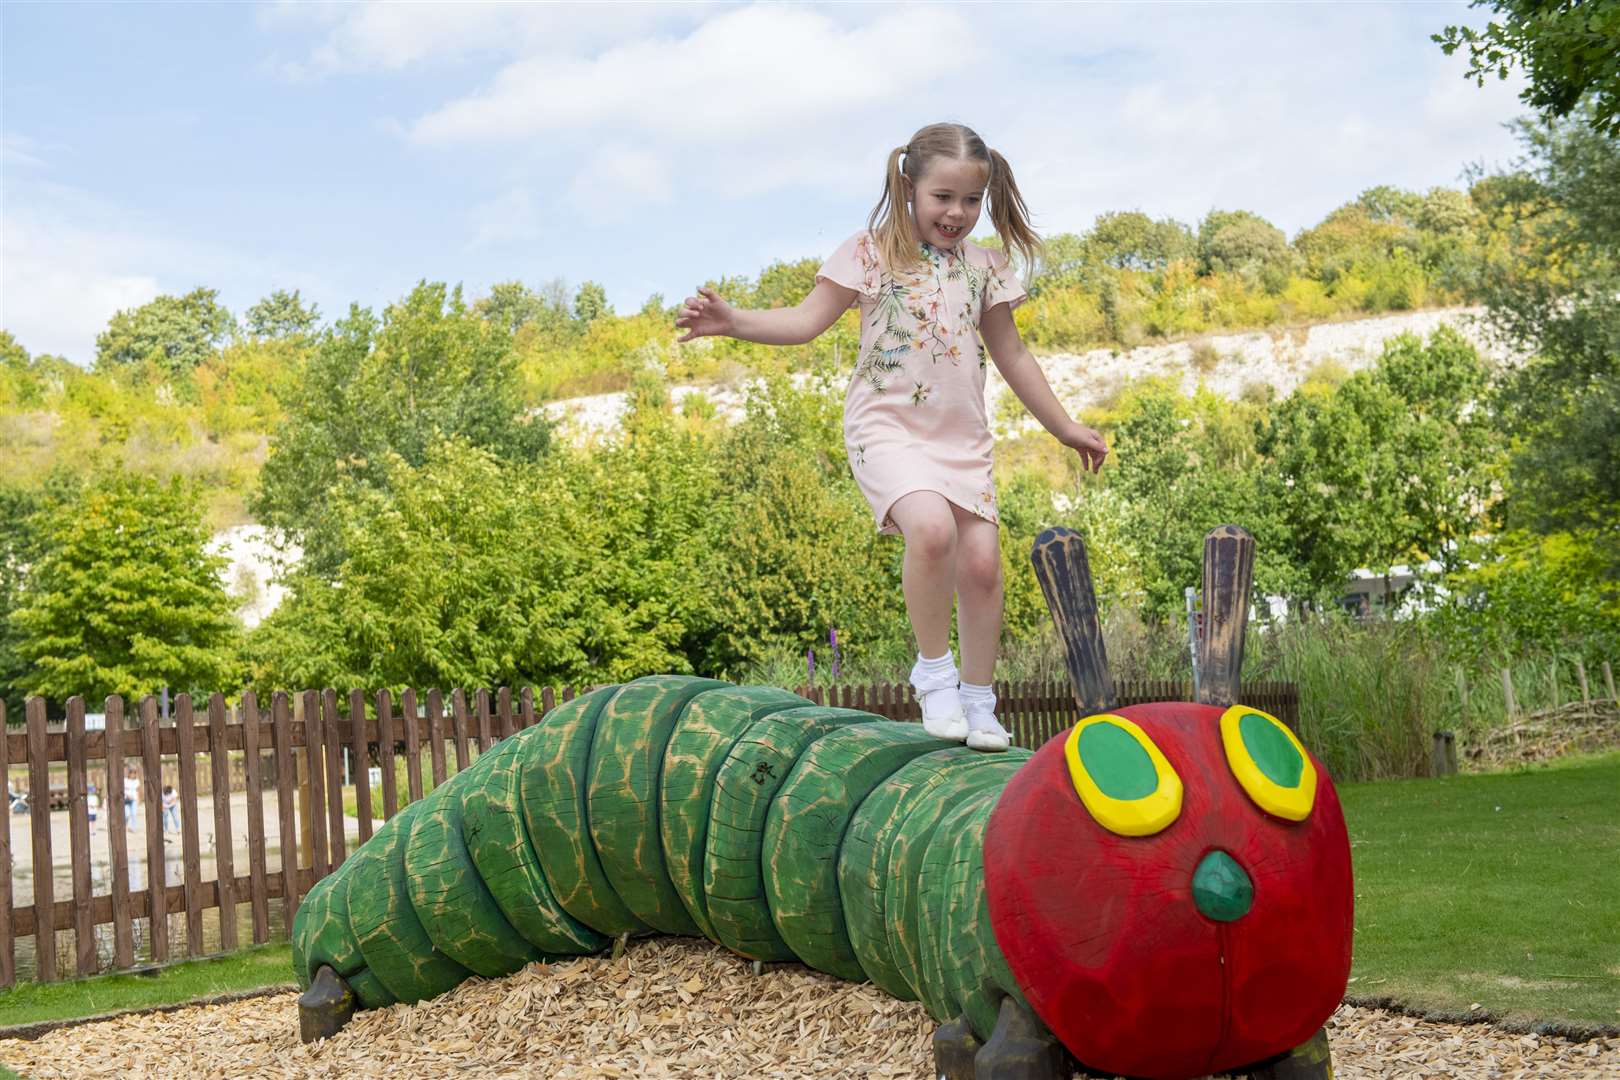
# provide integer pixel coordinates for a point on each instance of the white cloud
(59, 284)
(385, 36)
(745, 72)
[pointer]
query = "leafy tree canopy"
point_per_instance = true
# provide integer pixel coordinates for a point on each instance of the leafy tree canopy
(430, 369)
(173, 333)
(124, 597)
(281, 315)
(1566, 49)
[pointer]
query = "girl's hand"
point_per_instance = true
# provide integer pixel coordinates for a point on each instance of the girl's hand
(705, 315)
(1089, 443)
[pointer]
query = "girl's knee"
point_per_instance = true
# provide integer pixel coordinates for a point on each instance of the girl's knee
(931, 538)
(979, 569)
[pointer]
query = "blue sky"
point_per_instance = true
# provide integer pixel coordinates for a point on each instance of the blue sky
(350, 150)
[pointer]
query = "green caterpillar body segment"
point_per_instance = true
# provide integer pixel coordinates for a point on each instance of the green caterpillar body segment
(779, 828)
(866, 880)
(703, 737)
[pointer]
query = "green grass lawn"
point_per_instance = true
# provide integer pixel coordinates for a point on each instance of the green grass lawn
(1499, 891)
(245, 969)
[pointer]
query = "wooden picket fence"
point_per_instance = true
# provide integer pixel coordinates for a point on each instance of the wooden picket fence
(304, 744)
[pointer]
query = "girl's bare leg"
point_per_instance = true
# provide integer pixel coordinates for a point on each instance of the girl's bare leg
(979, 595)
(928, 574)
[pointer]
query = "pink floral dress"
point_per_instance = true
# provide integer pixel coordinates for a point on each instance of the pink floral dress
(914, 415)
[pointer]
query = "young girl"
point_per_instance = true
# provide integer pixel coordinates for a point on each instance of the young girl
(914, 416)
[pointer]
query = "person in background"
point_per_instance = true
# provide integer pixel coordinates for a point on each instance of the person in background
(171, 808)
(93, 802)
(132, 790)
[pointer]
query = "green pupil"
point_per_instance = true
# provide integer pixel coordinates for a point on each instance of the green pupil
(1118, 765)
(1271, 750)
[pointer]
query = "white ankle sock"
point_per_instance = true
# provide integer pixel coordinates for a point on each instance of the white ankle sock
(939, 665)
(973, 692)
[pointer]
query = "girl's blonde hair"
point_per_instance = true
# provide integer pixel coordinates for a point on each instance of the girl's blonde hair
(896, 229)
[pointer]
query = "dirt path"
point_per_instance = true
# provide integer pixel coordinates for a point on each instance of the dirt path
(680, 1008)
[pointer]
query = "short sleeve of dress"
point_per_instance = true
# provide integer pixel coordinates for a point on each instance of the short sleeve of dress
(1003, 286)
(854, 266)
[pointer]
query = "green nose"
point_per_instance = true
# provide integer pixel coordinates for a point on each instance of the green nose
(1221, 889)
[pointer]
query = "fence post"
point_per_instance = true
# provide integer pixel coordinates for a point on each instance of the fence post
(1608, 682)
(84, 934)
(117, 841)
(1462, 695)
(1443, 759)
(1552, 680)
(219, 767)
(1586, 690)
(287, 787)
(157, 883)
(1507, 695)
(39, 814)
(360, 775)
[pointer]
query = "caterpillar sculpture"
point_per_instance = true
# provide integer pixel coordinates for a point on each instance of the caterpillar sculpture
(1162, 891)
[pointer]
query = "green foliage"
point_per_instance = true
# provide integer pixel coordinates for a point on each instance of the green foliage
(1567, 50)
(1390, 466)
(1554, 290)
(431, 369)
(512, 305)
(1518, 592)
(796, 549)
(1237, 241)
(124, 598)
(281, 315)
(174, 334)
(590, 303)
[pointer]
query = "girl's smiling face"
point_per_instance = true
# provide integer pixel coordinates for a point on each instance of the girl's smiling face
(946, 201)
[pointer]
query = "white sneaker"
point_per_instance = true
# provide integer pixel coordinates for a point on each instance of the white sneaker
(984, 731)
(943, 717)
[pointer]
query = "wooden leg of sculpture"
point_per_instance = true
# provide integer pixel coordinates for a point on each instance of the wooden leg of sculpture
(1021, 1048)
(954, 1048)
(325, 1007)
(1311, 1061)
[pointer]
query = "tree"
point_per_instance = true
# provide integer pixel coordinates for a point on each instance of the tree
(1553, 291)
(512, 305)
(1238, 242)
(125, 598)
(1566, 49)
(590, 303)
(796, 552)
(1134, 241)
(174, 333)
(429, 370)
(783, 284)
(281, 315)
(473, 571)
(1180, 474)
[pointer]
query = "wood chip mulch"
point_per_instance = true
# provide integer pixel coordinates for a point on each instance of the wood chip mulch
(679, 1008)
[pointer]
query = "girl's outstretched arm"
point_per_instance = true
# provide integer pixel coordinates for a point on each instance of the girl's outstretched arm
(708, 314)
(1025, 378)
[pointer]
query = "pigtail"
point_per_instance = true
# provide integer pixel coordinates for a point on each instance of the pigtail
(891, 222)
(1008, 212)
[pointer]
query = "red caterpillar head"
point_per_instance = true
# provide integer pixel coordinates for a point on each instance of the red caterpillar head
(1170, 885)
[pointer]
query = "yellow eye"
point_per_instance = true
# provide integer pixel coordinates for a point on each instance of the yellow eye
(1123, 779)
(1269, 762)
